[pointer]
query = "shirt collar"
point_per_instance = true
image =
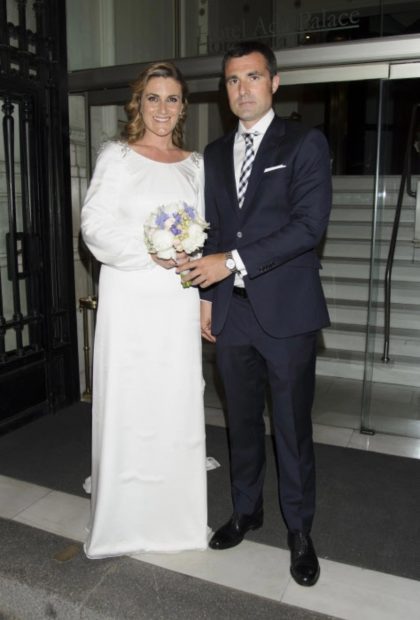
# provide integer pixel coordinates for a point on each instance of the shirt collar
(260, 126)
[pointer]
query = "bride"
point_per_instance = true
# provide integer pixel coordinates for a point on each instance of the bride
(148, 448)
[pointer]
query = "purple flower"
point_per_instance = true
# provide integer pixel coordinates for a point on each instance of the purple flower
(161, 218)
(175, 230)
(190, 211)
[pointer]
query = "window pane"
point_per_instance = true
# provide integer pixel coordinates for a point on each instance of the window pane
(112, 33)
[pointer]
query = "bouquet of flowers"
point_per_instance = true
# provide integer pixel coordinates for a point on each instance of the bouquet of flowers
(175, 227)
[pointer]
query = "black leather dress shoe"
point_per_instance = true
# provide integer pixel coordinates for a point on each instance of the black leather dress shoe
(233, 532)
(304, 565)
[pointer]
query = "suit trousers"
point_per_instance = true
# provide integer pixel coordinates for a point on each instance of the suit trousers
(248, 357)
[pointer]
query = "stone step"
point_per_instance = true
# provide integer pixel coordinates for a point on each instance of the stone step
(359, 230)
(366, 198)
(341, 353)
(406, 271)
(350, 337)
(366, 182)
(355, 183)
(356, 314)
(357, 289)
(361, 248)
(356, 213)
(350, 365)
(347, 364)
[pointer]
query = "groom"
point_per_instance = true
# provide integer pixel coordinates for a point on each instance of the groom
(268, 198)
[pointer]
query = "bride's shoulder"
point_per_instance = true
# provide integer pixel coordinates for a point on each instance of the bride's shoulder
(196, 158)
(112, 149)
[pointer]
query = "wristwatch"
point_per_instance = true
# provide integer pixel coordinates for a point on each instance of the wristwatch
(230, 262)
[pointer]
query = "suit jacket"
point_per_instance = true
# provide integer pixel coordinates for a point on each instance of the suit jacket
(283, 218)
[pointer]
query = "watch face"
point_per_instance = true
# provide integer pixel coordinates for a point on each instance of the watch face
(230, 264)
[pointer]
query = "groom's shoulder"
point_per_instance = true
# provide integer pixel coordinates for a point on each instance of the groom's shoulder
(298, 131)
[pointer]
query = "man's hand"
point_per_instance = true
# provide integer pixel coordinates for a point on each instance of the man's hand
(205, 321)
(206, 271)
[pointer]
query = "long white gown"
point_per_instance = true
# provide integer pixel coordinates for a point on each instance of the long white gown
(148, 450)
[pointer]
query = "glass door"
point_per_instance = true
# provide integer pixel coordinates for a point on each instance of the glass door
(347, 112)
(391, 402)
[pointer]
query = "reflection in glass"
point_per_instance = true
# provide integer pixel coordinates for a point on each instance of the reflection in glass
(211, 27)
(113, 33)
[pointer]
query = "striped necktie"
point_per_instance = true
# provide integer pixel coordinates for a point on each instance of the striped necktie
(246, 166)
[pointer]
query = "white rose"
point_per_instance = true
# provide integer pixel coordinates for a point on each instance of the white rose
(163, 243)
(178, 245)
(196, 238)
(167, 254)
(171, 208)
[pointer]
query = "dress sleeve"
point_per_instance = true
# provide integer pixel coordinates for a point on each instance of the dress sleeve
(111, 241)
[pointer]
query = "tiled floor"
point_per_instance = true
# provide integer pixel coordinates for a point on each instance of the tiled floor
(393, 408)
(343, 591)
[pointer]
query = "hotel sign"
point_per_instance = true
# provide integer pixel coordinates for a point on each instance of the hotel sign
(295, 24)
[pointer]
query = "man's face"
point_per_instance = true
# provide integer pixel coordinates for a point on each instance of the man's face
(249, 87)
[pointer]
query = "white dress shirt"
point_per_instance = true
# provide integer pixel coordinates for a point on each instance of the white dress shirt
(258, 130)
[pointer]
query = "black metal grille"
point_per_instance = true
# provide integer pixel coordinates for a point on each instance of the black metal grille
(38, 350)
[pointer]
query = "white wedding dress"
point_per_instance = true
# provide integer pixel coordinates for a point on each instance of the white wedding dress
(148, 451)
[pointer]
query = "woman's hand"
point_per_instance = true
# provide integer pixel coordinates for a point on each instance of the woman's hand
(181, 259)
(163, 262)
(170, 263)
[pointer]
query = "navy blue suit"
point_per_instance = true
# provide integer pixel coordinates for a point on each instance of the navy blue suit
(272, 334)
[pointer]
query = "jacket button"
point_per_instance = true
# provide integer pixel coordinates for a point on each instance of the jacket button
(239, 235)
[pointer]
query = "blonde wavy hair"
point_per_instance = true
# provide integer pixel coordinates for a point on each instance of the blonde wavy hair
(135, 128)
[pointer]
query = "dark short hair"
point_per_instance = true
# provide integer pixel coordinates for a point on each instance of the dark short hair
(244, 48)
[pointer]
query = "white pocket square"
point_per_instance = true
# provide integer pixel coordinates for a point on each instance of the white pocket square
(275, 167)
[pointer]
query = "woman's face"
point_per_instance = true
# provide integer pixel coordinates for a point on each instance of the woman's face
(161, 105)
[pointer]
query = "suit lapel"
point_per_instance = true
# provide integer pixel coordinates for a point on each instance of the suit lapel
(265, 156)
(228, 165)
